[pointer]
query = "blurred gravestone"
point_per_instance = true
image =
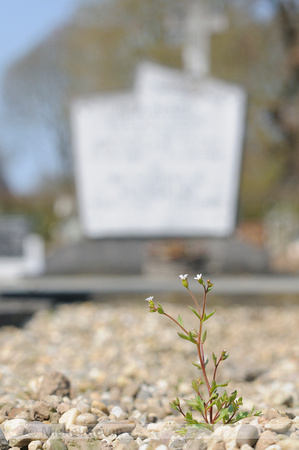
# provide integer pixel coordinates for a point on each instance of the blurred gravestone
(21, 253)
(164, 159)
(161, 161)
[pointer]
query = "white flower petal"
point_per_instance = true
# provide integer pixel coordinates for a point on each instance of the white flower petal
(198, 277)
(149, 299)
(183, 277)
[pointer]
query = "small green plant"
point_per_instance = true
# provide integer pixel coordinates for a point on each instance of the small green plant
(213, 406)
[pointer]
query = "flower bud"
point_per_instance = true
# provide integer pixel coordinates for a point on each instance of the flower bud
(184, 280)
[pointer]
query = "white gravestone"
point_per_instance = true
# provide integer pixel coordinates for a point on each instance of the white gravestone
(161, 161)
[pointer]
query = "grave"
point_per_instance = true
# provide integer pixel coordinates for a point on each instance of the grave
(21, 252)
(160, 161)
(163, 161)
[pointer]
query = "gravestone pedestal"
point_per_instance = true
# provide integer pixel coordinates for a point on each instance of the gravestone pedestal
(109, 256)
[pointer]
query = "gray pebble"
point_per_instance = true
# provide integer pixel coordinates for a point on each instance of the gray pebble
(247, 434)
(279, 425)
(3, 442)
(118, 427)
(38, 427)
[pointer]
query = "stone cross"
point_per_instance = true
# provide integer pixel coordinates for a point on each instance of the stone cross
(200, 24)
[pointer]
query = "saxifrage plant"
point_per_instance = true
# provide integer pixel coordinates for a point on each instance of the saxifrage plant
(212, 405)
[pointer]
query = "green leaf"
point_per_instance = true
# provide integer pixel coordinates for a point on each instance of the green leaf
(221, 415)
(184, 336)
(219, 404)
(191, 338)
(223, 384)
(195, 312)
(214, 386)
(160, 309)
(214, 359)
(196, 403)
(206, 317)
(197, 365)
(180, 321)
(204, 336)
(202, 425)
(196, 383)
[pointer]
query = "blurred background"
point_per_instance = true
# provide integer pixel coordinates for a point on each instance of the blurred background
(53, 53)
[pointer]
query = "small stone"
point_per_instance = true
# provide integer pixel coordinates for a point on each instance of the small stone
(100, 407)
(3, 441)
(247, 434)
(118, 427)
(78, 429)
(40, 411)
(279, 425)
(38, 427)
(25, 439)
(132, 445)
(118, 413)
(289, 444)
(140, 432)
(54, 443)
(272, 413)
(216, 444)
(177, 442)
(52, 400)
(131, 390)
(35, 445)
(162, 426)
(196, 444)
(153, 444)
(125, 437)
(14, 425)
(25, 415)
(266, 439)
(54, 383)
(87, 419)
(246, 447)
(83, 407)
(63, 407)
(69, 418)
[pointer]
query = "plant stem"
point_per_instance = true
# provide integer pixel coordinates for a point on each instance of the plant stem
(196, 303)
(177, 323)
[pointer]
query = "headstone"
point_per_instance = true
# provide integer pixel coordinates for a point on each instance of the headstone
(21, 253)
(162, 161)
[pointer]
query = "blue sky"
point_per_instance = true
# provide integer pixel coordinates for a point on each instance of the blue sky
(23, 23)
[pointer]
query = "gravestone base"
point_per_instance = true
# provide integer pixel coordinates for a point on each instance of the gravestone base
(158, 258)
(107, 256)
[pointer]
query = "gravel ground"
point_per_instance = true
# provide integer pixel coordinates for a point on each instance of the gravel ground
(101, 375)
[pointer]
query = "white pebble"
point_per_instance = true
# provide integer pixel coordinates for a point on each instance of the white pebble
(117, 411)
(69, 418)
(83, 407)
(35, 445)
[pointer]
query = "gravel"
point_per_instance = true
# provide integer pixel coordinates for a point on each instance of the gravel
(101, 375)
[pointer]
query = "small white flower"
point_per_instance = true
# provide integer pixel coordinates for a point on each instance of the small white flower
(198, 277)
(183, 277)
(149, 299)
